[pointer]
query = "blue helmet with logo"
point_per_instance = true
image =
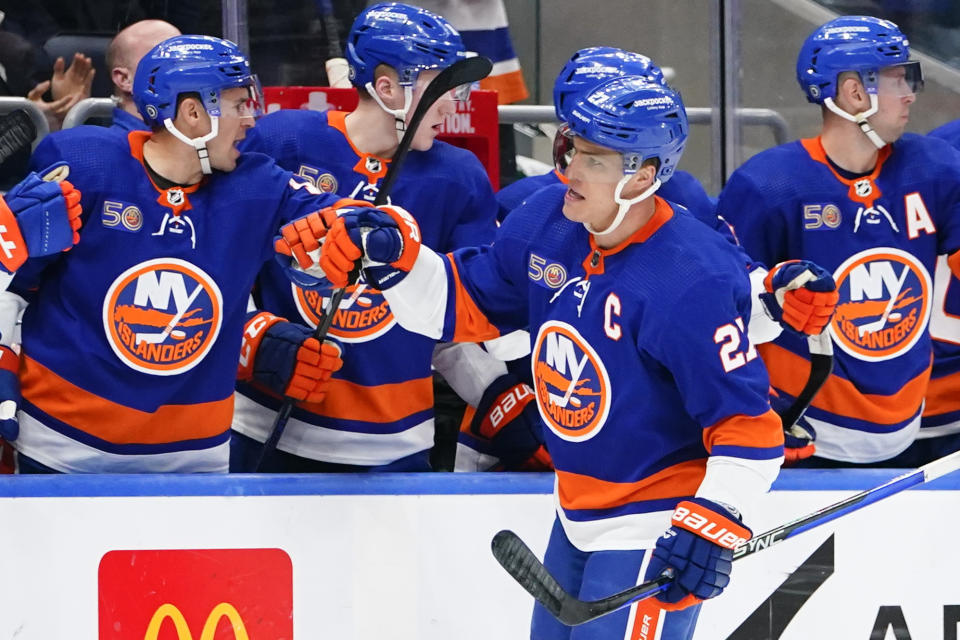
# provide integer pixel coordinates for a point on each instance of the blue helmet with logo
(188, 64)
(589, 67)
(408, 39)
(636, 117)
(863, 44)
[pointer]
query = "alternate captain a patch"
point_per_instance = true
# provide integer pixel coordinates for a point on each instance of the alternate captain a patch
(162, 316)
(573, 388)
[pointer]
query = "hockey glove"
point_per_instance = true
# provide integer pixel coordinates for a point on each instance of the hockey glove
(508, 421)
(697, 551)
(9, 394)
(302, 238)
(801, 296)
(38, 218)
(286, 359)
(798, 439)
(387, 239)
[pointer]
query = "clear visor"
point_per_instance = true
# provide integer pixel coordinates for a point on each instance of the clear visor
(900, 80)
(245, 101)
(586, 161)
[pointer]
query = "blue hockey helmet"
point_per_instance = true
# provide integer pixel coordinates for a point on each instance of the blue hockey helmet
(638, 118)
(190, 64)
(408, 39)
(589, 67)
(863, 44)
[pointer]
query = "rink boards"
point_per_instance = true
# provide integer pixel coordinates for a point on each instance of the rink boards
(407, 556)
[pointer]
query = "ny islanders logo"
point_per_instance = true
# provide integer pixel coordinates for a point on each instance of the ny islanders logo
(162, 316)
(573, 389)
(884, 304)
(364, 313)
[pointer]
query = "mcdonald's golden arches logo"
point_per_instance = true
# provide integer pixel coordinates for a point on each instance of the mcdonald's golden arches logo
(222, 610)
(196, 594)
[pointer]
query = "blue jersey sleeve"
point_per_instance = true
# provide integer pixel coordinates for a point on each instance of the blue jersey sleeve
(715, 367)
(759, 227)
(488, 285)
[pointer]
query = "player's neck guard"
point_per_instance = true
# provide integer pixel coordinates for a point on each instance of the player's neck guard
(399, 115)
(624, 204)
(860, 119)
(200, 144)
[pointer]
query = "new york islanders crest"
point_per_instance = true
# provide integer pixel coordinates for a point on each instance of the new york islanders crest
(162, 316)
(364, 313)
(884, 307)
(573, 388)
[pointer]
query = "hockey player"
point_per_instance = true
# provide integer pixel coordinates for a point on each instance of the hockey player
(131, 340)
(379, 414)
(585, 70)
(873, 206)
(653, 396)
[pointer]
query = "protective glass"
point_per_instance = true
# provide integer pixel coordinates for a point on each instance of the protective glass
(597, 164)
(900, 80)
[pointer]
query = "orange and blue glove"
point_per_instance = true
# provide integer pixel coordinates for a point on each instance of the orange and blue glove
(385, 239)
(697, 551)
(285, 358)
(800, 295)
(38, 217)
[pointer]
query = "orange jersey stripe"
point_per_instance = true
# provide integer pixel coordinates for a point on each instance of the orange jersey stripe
(381, 403)
(789, 372)
(472, 325)
(943, 395)
(509, 86)
(760, 432)
(117, 423)
(577, 491)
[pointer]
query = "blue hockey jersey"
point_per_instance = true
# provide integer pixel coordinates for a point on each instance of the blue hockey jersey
(941, 412)
(131, 339)
(879, 235)
(643, 372)
(379, 407)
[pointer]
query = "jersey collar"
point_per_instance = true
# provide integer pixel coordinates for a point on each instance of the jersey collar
(594, 262)
(174, 198)
(369, 165)
(863, 189)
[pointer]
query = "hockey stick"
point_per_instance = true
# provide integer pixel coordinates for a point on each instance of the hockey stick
(514, 556)
(17, 132)
(821, 365)
(466, 71)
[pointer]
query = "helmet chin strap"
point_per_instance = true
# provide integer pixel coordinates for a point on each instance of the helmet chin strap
(399, 115)
(624, 204)
(860, 119)
(200, 144)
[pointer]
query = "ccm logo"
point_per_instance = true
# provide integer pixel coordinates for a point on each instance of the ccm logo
(706, 528)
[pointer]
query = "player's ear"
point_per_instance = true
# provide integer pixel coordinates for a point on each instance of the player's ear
(387, 86)
(851, 92)
(191, 112)
(640, 181)
(122, 79)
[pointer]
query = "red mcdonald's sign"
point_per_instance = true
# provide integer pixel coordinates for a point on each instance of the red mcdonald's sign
(196, 594)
